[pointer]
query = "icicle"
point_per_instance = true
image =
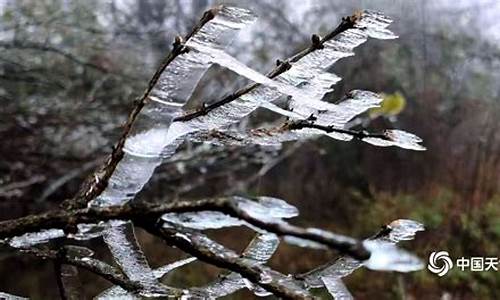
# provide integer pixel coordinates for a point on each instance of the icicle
(262, 247)
(265, 208)
(336, 288)
(387, 257)
(129, 256)
(162, 271)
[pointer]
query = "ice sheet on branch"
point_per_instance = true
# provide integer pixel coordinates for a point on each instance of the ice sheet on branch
(150, 140)
(259, 250)
(308, 74)
(264, 208)
(336, 288)
(384, 255)
(127, 253)
(397, 138)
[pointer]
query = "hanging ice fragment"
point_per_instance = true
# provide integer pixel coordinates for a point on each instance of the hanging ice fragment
(397, 138)
(387, 257)
(129, 256)
(202, 220)
(402, 230)
(262, 247)
(336, 288)
(267, 208)
(307, 74)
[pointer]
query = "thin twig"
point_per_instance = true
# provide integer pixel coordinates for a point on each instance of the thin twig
(97, 182)
(282, 66)
(361, 134)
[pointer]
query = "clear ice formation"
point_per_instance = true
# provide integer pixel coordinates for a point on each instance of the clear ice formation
(155, 136)
(152, 137)
(259, 251)
(267, 209)
(384, 256)
(336, 288)
(123, 245)
(149, 141)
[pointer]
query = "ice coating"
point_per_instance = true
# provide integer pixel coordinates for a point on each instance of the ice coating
(397, 138)
(202, 220)
(402, 230)
(151, 139)
(267, 208)
(129, 256)
(383, 246)
(260, 249)
(336, 288)
(33, 238)
(264, 208)
(309, 75)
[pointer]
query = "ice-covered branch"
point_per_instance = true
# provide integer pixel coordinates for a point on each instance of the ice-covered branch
(211, 252)
(238, 208)
(168, 86)
(282, 66)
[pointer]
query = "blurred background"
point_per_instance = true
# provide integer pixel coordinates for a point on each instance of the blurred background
(69, 71)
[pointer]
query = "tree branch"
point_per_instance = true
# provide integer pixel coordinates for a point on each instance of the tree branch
(138, 213)
(301, 124)
(95, 266)
(200, 246)
(282, 66)
(97, 182)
